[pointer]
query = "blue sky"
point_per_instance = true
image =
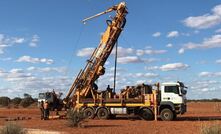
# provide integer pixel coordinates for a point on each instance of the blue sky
(43, 44)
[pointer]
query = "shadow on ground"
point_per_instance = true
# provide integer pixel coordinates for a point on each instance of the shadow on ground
(103, 126)
(204, 118)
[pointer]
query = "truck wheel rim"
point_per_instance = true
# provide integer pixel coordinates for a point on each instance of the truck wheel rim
(102, 114)
(89, 113)
(166, 115)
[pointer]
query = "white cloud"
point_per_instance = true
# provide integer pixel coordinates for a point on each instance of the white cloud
(122, 52)
(210, 74)
(218, 61)
(134, 59)
(85, 52)
(169, 45)
(20, 81)
(34, 41)
(173, 34)
(129, 59)
(48, 69)
(14, 74)
(6, 42)
(206, 20)
(169, 67)
(218, 30)
(34, 60)
(174, 66)
(18, 40)
(217, 10)
(157, 34)
(141, 52)
(127, 55)
(212, 42)
(181, 51)
(141, 81)
(205, 86)
(2, 47)
(152, 68)
(144, 75)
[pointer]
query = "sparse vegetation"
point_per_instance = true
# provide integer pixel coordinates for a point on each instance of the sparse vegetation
(27, 101)
(4, 101)
(12, 128)
(214, 128)
(16, 101)
(76, 118)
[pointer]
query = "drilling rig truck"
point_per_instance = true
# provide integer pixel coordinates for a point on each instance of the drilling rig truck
(148, 101)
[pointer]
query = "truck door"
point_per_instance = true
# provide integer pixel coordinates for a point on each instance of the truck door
(170, 93)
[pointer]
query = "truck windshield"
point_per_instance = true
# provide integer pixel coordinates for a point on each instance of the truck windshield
(41, 96)
(172, 89)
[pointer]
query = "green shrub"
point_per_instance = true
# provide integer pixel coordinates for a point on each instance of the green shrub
(12, 128)
(75, 118)
(27, 102)
(4, 101)
(211, 129)
(16, 100)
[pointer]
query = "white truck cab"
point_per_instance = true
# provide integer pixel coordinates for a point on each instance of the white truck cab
(172, 97)
(173, 92)
(53, 101)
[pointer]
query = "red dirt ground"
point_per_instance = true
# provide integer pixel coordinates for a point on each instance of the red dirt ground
(199, 114)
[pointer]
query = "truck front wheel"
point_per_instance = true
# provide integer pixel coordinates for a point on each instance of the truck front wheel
(102, 113)
(166, 115)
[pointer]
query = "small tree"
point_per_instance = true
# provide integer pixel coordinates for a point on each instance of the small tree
(16, 100)
(12, 128)
(27, 101)
(4, 101)
(75, 118)
(27, 95)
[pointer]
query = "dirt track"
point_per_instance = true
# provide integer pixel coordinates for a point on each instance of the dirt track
(198, 115)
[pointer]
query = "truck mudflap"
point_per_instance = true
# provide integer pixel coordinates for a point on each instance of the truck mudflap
(180, 108)
(183, 109)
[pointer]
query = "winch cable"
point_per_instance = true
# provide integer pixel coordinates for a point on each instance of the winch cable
(75, 47)
(115, 66)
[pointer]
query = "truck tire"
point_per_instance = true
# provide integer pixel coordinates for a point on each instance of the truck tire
(102, 113)
(146, 114)
(174, 115)
(89, 113)
(166, 115)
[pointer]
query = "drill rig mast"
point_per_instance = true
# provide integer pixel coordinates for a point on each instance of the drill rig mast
(84, 85)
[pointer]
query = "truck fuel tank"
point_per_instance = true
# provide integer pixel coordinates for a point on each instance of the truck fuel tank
(118, 110)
